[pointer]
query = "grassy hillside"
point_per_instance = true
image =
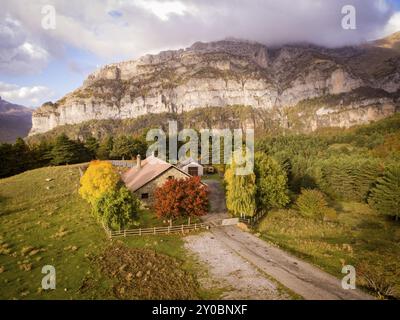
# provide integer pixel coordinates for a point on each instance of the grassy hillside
(359, 237)
(46, 222)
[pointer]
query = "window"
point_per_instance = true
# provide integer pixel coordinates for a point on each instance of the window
(145, 196)
(170, 177)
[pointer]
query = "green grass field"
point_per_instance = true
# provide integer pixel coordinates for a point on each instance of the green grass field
(47, 223)
(360, 237)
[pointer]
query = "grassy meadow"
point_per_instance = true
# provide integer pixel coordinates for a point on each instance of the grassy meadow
(359, 237)
(47, 223)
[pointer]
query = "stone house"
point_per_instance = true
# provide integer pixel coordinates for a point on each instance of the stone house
(149, 174)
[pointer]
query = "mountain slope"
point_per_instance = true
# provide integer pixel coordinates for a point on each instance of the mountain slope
(15, 121)
(390, 42)
(232, 72)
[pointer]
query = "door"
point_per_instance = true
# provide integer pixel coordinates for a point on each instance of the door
(193, 171)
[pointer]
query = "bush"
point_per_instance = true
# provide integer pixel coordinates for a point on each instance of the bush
(385, 196)
(117, 208)
(181, 198)
(312, 203)
(99, 178)
(330, 214)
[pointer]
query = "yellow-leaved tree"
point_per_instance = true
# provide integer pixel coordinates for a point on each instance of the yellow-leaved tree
(99, 178)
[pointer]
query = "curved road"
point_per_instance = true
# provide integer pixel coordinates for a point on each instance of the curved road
(301, 277)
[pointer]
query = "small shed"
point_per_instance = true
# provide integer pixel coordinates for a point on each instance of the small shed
(191, 166)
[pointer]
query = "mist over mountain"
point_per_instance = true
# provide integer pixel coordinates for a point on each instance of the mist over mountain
(15, 121)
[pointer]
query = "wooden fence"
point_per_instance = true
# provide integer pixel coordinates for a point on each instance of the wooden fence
(252, 220)
(156, 230)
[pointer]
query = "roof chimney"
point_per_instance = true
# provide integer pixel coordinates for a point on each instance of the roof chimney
(138, 162)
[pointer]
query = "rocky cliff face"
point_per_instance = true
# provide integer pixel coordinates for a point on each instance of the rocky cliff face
(232, 72)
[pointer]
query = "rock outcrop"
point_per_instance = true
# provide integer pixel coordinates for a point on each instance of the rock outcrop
(233, 72)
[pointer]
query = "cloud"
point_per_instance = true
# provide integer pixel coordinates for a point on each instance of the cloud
(17, 53)
(28, 96)
(125, 29)
(163, 9)
(393, 24)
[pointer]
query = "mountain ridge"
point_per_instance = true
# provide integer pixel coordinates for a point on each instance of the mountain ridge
(15, 121)
(232, 72)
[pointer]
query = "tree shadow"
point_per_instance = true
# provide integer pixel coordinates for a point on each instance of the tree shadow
(3, 211)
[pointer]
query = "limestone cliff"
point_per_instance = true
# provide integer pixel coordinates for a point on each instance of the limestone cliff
(232, 72)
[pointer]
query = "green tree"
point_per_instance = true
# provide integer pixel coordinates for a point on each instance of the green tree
(6, 160)
(42, 153)
(385, 196)
(22, 156)
(122, 148)
(271, 183)
(66, 151)
(92, 146)
(240, 192)
(105, 148)
(117, 208)
(128, 147)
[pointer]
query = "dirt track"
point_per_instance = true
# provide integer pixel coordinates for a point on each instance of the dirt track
(229, 250)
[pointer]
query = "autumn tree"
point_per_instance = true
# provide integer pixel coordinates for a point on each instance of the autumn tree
(186, 197)
(99, 178)
(240, 191)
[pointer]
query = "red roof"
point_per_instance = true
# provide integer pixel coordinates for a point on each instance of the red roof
(150, 169)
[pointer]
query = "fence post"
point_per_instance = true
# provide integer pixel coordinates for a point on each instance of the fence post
(125, 233)
(182, 229)
(195, 226)
(154, 230)
(169, 228)
(140, 231)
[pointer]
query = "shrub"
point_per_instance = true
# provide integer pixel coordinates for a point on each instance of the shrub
(376, 281)
(181, 198)
(312, 203)
(330, 214)
(117, 208)
(385, 196)
(99, 178)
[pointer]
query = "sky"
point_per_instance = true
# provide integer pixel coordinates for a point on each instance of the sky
(48, 47)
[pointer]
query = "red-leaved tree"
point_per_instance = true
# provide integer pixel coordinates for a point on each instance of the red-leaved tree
(186, 197)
